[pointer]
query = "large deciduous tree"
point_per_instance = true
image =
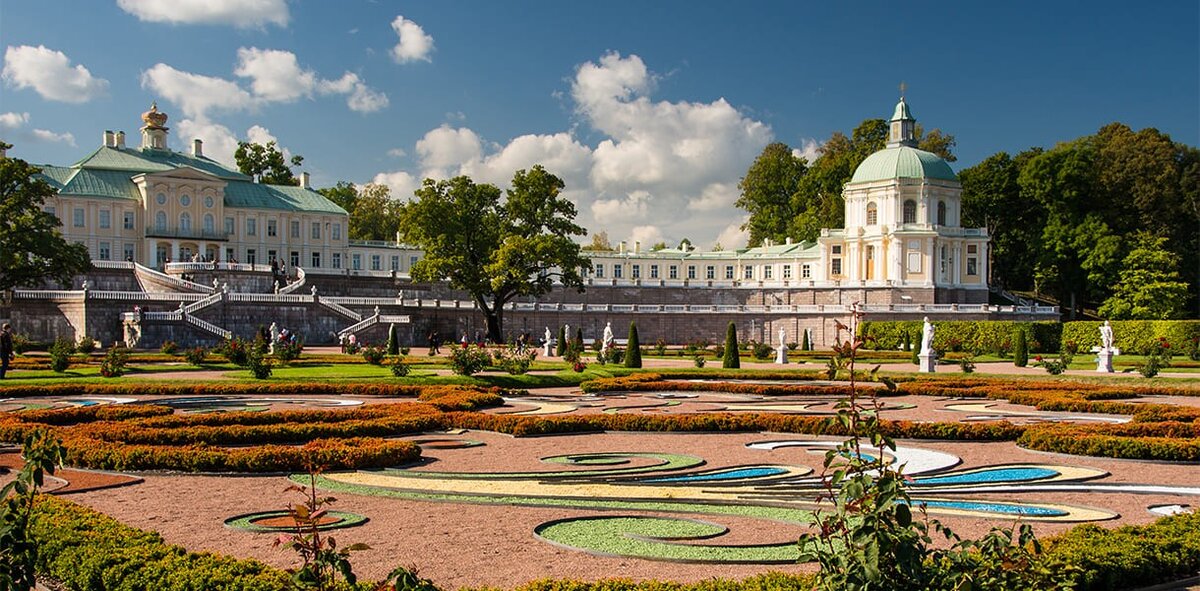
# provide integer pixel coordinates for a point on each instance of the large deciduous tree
(767, 191)
(31, 247)
(344, 194)
(495, 249)
(266, 163)
(375, 215)
(1149, 287)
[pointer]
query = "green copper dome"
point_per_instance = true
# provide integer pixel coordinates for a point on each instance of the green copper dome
(902, 162)
(902, 113)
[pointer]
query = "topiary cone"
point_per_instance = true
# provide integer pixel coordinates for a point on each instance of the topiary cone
(633, 356)
(1020, 348)
(804, 344)
(561, 348)
(393, 346)
(731, 359)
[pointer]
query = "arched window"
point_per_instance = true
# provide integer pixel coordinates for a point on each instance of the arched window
(185, 222)
(941, 213)
(910, 212)
(872, 214)
(160, 221)
(209, 223)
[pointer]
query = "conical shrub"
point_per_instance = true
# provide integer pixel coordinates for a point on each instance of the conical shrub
(633, 356)
(731, 359)
(1020, 348)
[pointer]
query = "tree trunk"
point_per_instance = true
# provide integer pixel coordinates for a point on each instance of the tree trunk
(495, 322)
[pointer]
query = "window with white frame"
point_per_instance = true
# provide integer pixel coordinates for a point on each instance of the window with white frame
(128, 215)
(229, 226)
(316, 231)
(185, 222)
(337, 230)
(768, 271)
(637, 271)
(376, 263)
(412, 260)
(599, 269)
(294, 258)
(395, 262)
(209, 224)
(806, 271)
(337, 260)
(748, 272)
(673, 272)
(835, 267)
(272, 228)
(972, 266)
(691, 272)
(617, 270)
(251, 256)
(872, 214)
(787, 271)
(316, 259)
(128, 251)
(295, 228)
(910, 212)
(729, 271)
(654, 271)
(356, 261)
(78, 217)
(160, 221)
(105, 251)
(105, 219)
(710, 272)
(251, 226)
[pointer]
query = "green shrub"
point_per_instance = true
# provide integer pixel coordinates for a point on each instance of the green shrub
(236, 350)
(634, 357)
(730, 359)
(114, 362)
(916, 356)
(561, 348)
(373, 354)
(805, 345)
(258, 364)
(1134, 336)
(513, 361)
(761, 351)
(289, 350)
(405, 350)
(393, 345)
(86, 345)
(168, 348)
(965, 335)
(400, 368)
(195, 355)
(468, 360)
(60, 354)
(699, 360)
(21, 344)
(1020, 348)
(1166, 550)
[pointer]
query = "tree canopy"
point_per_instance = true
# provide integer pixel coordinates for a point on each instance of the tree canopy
(266, 163)
(495, 249)
(375, 215)
(32, 249)
(789, 197)
(343, 194)
(1149, 287)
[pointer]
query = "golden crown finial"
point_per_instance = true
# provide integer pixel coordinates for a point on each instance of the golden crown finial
(154, 117)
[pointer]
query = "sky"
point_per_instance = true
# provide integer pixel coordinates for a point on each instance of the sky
(651, 112)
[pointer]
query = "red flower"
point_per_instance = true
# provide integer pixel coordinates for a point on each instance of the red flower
(1039, 358)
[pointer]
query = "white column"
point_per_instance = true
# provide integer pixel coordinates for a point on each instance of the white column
(956, 263)
(931, 263)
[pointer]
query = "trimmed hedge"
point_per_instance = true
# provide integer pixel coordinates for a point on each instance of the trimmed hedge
(1124, 557)
(1133, 336)
(987, 336)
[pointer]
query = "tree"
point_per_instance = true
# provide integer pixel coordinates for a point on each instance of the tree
(32, 249)
(1150, 287)
(560, 348)
(992, 199)
(660, 245)
(767, 191)
(599, 242)
(731, 359)
(376, 216)
(1020, 347)
(495, 249)
(393, 344)
(344, 194)
(633, 352)
(266, 163)
(804, 344)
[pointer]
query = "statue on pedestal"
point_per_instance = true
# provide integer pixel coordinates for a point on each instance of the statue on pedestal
(926, 357)
(607, 343)
(1105, 355)
(781, 351)
(274, 337)
(547, 341)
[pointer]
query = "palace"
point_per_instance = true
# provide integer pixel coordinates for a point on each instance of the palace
(164, 226)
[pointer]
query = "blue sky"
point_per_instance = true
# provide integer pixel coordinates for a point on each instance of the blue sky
(651, 111)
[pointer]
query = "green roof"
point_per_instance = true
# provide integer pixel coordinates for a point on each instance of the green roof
(902, 162)
(285, 197)
(57, 176)
(112, 184)
(902, 112)
(154, 161)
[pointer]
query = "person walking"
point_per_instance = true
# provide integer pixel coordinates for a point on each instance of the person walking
(6, 348)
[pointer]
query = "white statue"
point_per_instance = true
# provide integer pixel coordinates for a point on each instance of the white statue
(274, 337)
(927, 338)
(547, 340)
(781, 351)
(1106, 336)
(608, 339)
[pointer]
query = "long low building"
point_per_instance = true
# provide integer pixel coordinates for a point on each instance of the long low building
(160, 222)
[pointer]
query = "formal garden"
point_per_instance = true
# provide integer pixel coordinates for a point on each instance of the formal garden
(503, 468)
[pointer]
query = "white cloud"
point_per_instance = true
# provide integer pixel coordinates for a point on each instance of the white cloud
(560, 154)
(50, 74)
(397, 153)
(238, 13)
(632, 207)
(414, 44)
(219, 142)
(647, 235)
(196, 94)
(365, 99)
(808, 150)
(13, 124)
(446, 148)
(402, 184)
(715, 197)
(275, 75)
(733, 236)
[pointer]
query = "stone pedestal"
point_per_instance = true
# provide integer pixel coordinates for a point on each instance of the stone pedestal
(547, 351)
(781, 355)
(928, 362)
(1104, 361)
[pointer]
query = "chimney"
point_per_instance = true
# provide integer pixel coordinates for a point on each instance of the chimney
(637, 246)
(109, 139)
(119, 140)
(197, 148)
(304, 184)
(788, 241)
(622, 248)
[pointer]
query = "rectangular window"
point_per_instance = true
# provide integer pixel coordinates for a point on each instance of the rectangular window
(617, 270)
(316, 260)
(316, 230)
(835, 267)
(356, 262)
(599, 268)
(272, 228)
(837, 249)
(691, 271)
(294, 258)
(767, 271)
(710, 272)
(337, 260)
(229, 227)
(128, 220)
(748, 272)
(972, 249)
(412, 260)
(654, 271)
(105, 251)
(376, 263)
(673, 272)
(972, 266)
(272, 255)
(78, 217)
(296, 229)
(49, 209)
(129, 252)
(337, 230)
(914, 262)
(637, 271)
(251, 226)
(787, 271)
(251, 256)
(806, 271)
(729, 271)
(395, 262)
(105, 220)
(229, 255)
